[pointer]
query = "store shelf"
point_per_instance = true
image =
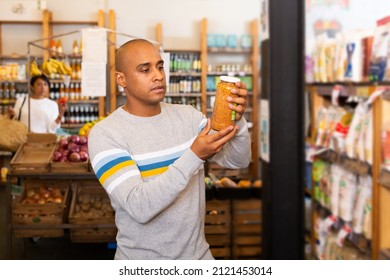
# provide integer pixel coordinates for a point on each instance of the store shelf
(232, 73)
(353, 165)
(14, 81)
(229, 51)
(180, 74)
(359, 241)
(183, 95)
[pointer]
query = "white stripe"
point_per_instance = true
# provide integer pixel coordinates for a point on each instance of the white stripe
(204, 121)
(164, 152)
(104, 154)
(121, 178)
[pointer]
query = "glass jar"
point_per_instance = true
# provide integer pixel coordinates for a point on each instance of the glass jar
(223, 116)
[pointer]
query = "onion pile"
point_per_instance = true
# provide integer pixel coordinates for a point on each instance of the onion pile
(74, 148)
(43, 195)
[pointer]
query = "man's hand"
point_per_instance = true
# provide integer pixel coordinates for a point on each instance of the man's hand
(207, 145)
(239, 103)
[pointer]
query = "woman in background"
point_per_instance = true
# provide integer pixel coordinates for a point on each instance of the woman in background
(45, 114)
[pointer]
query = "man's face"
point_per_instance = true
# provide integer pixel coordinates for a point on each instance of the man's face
(144, 76)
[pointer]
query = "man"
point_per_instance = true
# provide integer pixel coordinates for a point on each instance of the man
(149, 157)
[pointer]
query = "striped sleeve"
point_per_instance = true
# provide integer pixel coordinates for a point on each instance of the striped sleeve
(114, 166)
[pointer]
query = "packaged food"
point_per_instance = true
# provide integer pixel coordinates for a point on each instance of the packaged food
(223, 116)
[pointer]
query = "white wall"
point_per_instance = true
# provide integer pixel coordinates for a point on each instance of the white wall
(180, 20)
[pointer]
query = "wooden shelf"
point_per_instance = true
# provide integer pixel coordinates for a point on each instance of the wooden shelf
(238, 74)
(14, 81)
(20, 22)
(180, 74)
(77, 22)
(229, 51)
(183, 95)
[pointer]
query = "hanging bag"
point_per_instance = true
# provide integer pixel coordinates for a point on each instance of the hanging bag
(12, 132)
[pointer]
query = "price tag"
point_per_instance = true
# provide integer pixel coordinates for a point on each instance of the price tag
(343, 233)
(362, 91)
(336, 91)
(330, 221)
(16, 190)
(379, 91)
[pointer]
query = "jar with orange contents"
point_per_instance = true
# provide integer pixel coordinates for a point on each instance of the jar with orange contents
(223, 116)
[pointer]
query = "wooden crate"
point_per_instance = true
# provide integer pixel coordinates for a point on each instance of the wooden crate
(34, 155)
(246, 229)
(68, 167)
(94, 192)
(217, 228)
(40, 214)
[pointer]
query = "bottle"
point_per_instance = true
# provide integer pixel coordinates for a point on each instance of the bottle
(71, 115)
(12, 93)
(77, 91)
(73, 67)
(82, 115)
(59, 47)
(76, 115)
(6, 92)
(71, 92)
(53, 48)
(223, 116)
(78, 69)
(75, 48)
(62, 91)
(56, 91)
(87, 115)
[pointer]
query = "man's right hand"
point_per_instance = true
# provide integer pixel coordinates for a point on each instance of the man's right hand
(207, 145)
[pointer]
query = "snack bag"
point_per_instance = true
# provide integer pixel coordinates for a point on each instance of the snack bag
(379, 57)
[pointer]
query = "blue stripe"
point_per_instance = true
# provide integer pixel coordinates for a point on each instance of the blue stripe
(111, 164)
(161, 158)
(156, 165)
(109, 158)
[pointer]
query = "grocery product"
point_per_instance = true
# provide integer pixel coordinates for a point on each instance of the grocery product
(222, 115)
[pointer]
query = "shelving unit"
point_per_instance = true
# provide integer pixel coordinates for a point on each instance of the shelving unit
(382, 221)
(252, 114)
(21, 85)
(251, 56)
(377, 245)
(47, 33)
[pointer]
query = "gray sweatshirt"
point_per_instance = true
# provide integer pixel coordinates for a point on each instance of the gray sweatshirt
(156, 183)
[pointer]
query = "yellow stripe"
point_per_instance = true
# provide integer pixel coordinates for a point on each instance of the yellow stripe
(114, 169)
(153, 172)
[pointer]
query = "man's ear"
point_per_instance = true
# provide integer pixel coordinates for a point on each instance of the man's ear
(120, 79)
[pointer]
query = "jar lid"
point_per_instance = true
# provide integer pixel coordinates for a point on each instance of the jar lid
(229, 79)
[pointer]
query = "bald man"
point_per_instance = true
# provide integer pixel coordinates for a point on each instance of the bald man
(149, 156)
